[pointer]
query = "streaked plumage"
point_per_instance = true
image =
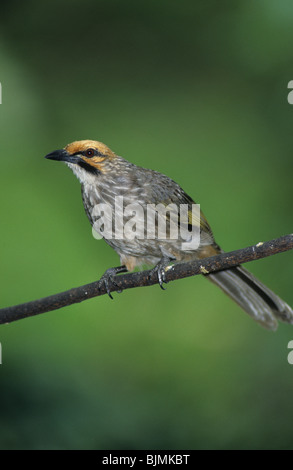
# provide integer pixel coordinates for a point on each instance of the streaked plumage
(104, 175)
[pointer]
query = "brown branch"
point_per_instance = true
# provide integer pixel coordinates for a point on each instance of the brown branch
(146, 278)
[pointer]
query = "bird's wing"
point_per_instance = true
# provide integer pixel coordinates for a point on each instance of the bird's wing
(170, 193)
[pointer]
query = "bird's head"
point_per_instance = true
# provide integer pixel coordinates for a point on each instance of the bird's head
(86, 158)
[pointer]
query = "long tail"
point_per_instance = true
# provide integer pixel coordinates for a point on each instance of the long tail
(255, 298)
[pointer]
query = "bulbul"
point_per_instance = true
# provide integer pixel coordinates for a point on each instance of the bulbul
(107, 178)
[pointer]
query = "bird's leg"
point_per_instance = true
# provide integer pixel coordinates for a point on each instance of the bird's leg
(160, 269)
(108, 276)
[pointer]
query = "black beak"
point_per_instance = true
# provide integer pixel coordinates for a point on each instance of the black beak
(62, 156)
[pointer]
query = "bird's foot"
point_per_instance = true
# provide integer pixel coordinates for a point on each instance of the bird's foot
(160, 269)
(108, 278)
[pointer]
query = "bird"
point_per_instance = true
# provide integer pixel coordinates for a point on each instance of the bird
(106, 178)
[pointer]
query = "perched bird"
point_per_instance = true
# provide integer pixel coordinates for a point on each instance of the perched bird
(107, 178)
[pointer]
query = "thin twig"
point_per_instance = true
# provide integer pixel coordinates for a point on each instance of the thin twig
(146, 278)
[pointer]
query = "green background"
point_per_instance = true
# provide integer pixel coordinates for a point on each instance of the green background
(198, 91)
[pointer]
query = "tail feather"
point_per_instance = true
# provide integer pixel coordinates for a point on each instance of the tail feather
(256, 299)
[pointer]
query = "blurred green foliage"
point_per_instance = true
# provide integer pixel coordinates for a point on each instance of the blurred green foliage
(199, 93)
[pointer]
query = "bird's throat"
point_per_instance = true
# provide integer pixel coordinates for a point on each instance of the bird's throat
(84, 174)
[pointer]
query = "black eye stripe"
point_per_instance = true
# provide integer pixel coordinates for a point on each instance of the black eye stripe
(96, 153)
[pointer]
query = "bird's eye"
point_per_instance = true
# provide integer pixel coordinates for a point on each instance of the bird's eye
(90, 153)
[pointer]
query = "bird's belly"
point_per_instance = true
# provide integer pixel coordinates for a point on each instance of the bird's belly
(126, 230)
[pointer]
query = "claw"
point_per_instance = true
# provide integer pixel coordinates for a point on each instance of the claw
(160, 270)
(107, 278)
